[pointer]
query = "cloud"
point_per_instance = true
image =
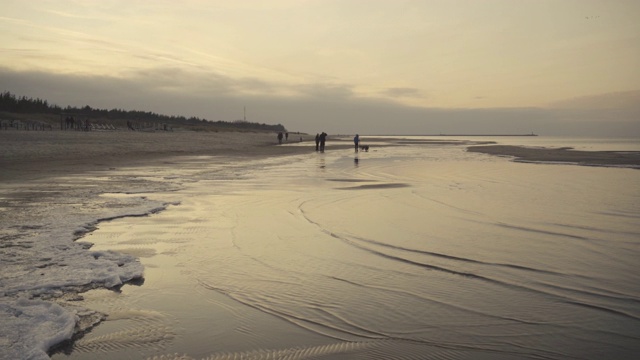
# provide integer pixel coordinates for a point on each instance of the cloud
(615, 113)
(326, 91)
(311, 108)
(612, 100)
(400, 92)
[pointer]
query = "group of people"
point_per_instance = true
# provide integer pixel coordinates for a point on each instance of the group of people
(71, 123)
(280, 136)
(320, 140)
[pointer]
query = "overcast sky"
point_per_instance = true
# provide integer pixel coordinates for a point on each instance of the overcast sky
(553, 67)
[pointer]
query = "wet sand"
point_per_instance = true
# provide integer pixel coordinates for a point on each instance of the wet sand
(430, 254)
(277, 262)
(562, 155)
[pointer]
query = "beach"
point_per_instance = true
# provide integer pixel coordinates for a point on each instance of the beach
(26, 153)
(226, 245)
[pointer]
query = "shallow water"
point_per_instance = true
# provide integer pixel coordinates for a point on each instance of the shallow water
(421, 251)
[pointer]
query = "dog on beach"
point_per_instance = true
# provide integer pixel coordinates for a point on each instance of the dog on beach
(364, 147)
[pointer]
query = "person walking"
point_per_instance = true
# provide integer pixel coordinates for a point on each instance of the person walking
(323, 138)
(317, 141)
(356, 141)
(280, 137)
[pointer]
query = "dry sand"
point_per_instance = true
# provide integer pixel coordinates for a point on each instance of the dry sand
(35, 154)
(563, 155)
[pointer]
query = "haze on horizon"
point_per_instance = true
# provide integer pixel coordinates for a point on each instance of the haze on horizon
(553, 67)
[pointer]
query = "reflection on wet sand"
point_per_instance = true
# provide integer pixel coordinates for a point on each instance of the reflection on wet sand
(375, 186)
(450, 254)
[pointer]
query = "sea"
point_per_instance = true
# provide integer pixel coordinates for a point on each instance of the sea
(415, 249)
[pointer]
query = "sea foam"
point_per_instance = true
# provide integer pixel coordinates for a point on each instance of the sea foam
(42, 262)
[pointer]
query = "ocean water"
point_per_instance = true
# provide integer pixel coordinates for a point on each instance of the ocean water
(413, 251)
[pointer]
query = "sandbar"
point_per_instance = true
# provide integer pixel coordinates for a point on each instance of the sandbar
(562, 155)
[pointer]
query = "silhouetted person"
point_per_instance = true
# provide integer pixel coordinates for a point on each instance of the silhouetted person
(280, 137)
(286, 136)
(356, 141)
(323, 138)
(317, 142)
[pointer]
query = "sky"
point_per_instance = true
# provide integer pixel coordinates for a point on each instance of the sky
(552, 67)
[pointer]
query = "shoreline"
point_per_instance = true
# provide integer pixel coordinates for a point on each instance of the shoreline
(30, 155)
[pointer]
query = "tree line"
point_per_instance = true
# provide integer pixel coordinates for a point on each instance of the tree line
(25, 105)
